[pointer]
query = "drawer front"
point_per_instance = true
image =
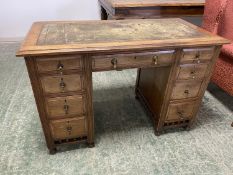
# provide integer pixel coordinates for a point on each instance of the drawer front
(61, 84)
(186, 89)
(180, 111)
(65, 106)
(58, 64)
(192, 71)
(152, 59)
(197, 55)
(68, 128)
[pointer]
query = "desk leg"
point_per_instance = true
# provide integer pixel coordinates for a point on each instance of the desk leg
(137, 83)
(52, 151)
(104, 15)
(38, 94)
(89, 91)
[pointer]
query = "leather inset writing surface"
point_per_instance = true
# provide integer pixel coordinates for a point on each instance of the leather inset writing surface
(78, 33)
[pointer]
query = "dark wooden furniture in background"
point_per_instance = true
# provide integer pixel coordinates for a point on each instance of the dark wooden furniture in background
(139, 9)
(176, 60)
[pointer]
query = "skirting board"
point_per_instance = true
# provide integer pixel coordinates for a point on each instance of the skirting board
(11, 39)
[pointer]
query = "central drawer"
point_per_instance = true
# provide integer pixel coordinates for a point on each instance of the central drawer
(135, 60)
(60, 107)
(62, 83)
(68, 128)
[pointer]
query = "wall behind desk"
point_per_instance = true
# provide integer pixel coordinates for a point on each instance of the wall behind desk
(16, 16)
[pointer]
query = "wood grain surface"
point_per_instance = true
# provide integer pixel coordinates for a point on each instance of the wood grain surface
(99, 36)
(149, 3)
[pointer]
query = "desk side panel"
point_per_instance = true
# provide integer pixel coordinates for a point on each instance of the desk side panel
(38, 94)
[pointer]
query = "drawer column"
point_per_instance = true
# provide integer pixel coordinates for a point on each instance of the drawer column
(153, 89)
(173, 94)
(37, 91)
(62, 87)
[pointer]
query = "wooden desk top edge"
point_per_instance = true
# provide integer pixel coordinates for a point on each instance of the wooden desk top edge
(29, 47)
(157, 3)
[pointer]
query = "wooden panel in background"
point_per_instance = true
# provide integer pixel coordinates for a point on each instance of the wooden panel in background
(149, 3)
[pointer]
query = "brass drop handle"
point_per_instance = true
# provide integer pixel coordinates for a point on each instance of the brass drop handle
(62, 84)
(198, 57)
(186, 92)
(181, 114)
(155, 59)
(60, 67)
(66, 107)
(114, 63)
(69, 129)
(193, 74)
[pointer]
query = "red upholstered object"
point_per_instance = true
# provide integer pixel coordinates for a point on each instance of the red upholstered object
(227, 50)
(223, 74)
(218, 19)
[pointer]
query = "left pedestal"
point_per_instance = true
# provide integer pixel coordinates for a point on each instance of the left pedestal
(62, 87)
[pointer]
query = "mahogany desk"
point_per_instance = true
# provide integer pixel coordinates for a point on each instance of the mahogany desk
(176, 60)
(126, 9)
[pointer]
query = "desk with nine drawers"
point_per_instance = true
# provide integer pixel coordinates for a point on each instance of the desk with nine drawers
(175, 59)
